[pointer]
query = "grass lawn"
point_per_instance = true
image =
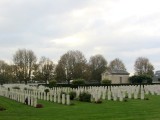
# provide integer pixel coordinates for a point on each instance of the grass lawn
(108, 110)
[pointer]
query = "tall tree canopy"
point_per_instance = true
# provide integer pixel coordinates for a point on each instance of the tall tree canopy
(117, 64)
(44, 70)
(98, 65)
(72, 65)
(143, 66)
(24, 61)
(5, 72)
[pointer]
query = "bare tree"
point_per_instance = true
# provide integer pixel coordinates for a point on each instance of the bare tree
(3, 66)
(117, 64)
(143, 66)
(24, 61)
(45, 69)
(72, 65)
(6, 73)
(98, 65)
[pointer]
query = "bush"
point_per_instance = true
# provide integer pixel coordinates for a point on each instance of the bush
(85, 97)
(98, 101)
(78, 82)
(106, 82)
(8, 89)
(146, 98)
(16, 87)
(26, 101)
(2, 108)
(39, 106)
(28, 89)
(138, 79)
(125, 99)
(46, 90)
(72, 95)
(25, 88)
(52, 82)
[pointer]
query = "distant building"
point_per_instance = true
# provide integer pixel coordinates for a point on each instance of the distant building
(116, 76)
(156, 78)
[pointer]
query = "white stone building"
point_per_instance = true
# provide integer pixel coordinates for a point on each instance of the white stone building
(116, 76)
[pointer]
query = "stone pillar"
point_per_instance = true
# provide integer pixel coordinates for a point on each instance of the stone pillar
(109, 95)
(51, 98)
(63, 99)
(55, 97)
(32, 100)
(142, 95)
(29, 100)
(35, 102)
(44, 96)
(47, 96)
(104, 95)
(68, 100)
(59, 98)
(135, 95)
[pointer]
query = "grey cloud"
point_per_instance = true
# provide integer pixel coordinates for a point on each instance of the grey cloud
(32, 24)
(42, 18)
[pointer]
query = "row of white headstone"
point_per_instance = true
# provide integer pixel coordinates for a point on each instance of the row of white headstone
(32, 96)
(115, 93)
(111, 93)
(56, 97)
(18, 96)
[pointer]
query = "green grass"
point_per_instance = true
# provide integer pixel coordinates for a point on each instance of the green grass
(108, 110)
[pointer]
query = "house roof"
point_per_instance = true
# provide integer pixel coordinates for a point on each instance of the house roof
(117, 72)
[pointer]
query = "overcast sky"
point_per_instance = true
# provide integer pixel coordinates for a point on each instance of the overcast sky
(124, 29)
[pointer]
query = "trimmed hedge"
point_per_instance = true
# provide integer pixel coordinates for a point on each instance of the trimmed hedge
(16, 87)
(106, 82)
(88, 85)
(52, 82)
(78, 82)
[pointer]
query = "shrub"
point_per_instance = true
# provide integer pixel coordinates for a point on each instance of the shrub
(52, 82)
(39, 106)
(26, 101)
(16, 87)
(106, 82)
(72, 95)
(28, 89)
(125, 99)
(85, 97)
(138, 79)
(2, 108)
(98, 101)
(25, 88)
(46, 90)
(78, 82)
(146, 98)
(8, 89)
